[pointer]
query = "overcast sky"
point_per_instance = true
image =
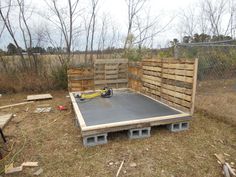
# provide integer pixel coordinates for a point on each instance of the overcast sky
(117, 10)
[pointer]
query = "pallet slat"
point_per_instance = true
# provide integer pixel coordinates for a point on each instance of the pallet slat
(178, 66)
(111, 81)
(178, 78)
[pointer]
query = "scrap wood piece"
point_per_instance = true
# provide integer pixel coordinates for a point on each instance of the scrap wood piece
(38, 172)
(10, 169)
(39, 97)
(220, 157)
(17, 104)
(4, 119)
(29, 164)
(121, 165)
(226, 171)
(230, 169)
(40, 110)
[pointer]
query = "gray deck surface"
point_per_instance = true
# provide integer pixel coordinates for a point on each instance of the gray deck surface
(123, 106)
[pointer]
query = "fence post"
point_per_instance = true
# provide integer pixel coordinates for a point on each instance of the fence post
(176, 51)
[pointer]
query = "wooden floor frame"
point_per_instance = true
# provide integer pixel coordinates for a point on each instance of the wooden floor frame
(126, 125)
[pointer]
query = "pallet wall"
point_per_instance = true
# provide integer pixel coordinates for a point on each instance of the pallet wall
(135, 76)
(104, 72)
(168, 80)
(80, 79)
(111, 72)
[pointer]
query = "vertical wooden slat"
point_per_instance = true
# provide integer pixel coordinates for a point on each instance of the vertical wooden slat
(194, 85)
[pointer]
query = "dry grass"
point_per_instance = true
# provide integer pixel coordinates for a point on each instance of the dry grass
(53, 140)
(218, 98)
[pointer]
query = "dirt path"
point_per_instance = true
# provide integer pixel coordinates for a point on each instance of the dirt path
(53, 140)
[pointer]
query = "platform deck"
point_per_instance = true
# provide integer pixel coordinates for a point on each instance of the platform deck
(125, 110)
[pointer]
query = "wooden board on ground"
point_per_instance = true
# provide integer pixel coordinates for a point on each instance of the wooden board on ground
(17, 104)
(5, 119)
(39, 97)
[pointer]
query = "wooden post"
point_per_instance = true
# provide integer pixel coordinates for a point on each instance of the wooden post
(194, 84)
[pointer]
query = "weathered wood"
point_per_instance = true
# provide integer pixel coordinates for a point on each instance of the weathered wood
(152, 78)
(39, 97)
(179, 66)
(17, 104)
(126, 125)
(110, 61)
(111, 76)
(151, 73)
(179, 78)
(177, 89)
(178, 72)
(176, 94)
(151, 82)
(152, 68)
(194, 85)
(110, 81)
(111, 67)
(78, 114)
(230, 169)
(176, 100)
(226, 171)
(4, 119)
(121, 165)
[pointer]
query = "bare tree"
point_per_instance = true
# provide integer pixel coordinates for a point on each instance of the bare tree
(90, 29)
(64, 21)
(134, 8)
(188, 21)
(8, 25)
(103, 35)
(214, 13)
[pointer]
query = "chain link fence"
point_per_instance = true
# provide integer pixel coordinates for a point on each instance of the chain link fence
(216, 89)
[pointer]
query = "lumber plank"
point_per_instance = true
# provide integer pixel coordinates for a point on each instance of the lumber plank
(4, 119)
(152, 68)
(112, 61)
(125, 125)
(77, 111)
(178, 66)
(178, 72)
(152, 78)
(151, 73)
(111, 67)
(154, 92)
(194, 85)
(176, 100)
(177, 89)
(39, 97)
(17, 104)
(151, 82)
(111, 76)
(97, 82)
(179, 78)
(176, 94)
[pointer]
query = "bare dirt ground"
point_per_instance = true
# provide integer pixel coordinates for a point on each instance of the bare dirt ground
(53, 140)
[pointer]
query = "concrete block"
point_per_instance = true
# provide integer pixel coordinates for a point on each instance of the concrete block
(180, 126)
(95, 140)
(139, 133)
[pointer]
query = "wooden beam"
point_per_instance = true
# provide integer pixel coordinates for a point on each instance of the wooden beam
(39, 97)
(194, 85)
(77, 111)
(110, 61)
(17, 104)
(110, 81)
(178, 78)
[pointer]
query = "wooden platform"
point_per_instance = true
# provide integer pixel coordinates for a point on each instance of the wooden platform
(126, 110)
(4, 119)
(39, 97)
